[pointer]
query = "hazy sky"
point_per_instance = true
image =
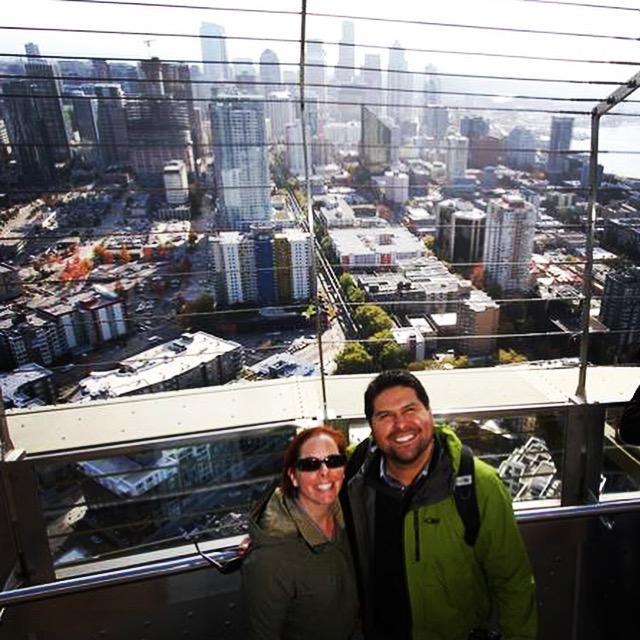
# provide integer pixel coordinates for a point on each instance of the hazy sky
(504, 13)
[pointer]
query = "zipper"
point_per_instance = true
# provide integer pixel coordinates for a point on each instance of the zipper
(416, 534)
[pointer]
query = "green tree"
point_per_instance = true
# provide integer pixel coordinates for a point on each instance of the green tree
(392, 356)
(197, 314)
(354, 359)
(372, 319)
(509, 356)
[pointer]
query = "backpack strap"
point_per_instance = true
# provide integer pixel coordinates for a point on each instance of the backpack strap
(465, 497)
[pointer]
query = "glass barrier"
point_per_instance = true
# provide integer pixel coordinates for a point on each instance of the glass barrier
(621, 460)
(100, 508)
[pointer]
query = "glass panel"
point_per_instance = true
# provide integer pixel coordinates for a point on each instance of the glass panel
(100, 508)
(621, 460)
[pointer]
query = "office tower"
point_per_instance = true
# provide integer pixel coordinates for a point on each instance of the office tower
(214, 52)
(346, 54)
(456, 156)
(620, 310)
(112, 124)
(151, 83)
(45, 91)
(270, 75)
(371, 77)
(478, 318)
(508, 246)
(485, 151)
(241, 162)
(85, 117)
(398, 81)
(245, 76)
(126, 75)
(474, 127)
(315, 72)
(176, 184)
(460, 232)
(561, 132)
(435, 121)
(100, 69)
(396, 186)
(295, 150)
(293, 258)
(28, 134)
(159, 131)
(375, 141)
(32, 50)
(432, 86)
(280, 111)
(521, 146)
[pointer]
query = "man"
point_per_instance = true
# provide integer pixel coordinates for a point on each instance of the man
(419, 578)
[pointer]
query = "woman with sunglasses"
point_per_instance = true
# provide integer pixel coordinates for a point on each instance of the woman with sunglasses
(298, 580)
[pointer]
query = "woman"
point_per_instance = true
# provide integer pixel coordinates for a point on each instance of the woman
(298, 580)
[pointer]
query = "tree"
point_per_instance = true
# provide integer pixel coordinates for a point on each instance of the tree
(372, 319)
(354, 359)
(197, 314)
(509, 356)
(392, 356)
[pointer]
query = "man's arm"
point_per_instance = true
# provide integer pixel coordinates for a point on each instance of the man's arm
(504, 558)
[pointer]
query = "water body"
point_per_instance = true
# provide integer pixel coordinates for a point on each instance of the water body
(615, 139)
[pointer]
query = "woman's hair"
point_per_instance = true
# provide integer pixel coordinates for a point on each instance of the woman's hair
(292, 453)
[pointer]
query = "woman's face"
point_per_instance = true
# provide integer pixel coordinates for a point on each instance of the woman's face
(321, 487)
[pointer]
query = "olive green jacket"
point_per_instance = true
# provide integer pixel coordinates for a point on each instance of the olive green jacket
(297, 584)
(452, 586)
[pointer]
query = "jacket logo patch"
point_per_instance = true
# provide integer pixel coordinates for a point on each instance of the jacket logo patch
(463, 481)
(432, 520)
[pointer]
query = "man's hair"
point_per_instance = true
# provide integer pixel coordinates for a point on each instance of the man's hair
(388, 379)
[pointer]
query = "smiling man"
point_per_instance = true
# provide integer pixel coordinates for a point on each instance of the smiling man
(438, 551)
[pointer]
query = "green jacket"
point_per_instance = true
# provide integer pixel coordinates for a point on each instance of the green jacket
(451, 585)
(296, 584)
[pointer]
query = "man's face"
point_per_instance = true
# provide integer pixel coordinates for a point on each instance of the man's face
(403, 430)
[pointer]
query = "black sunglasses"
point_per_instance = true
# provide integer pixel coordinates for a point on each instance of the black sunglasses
(334, 461)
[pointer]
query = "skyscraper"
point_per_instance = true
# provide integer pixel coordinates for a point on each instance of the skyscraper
(398, 82)
(561, 133)
(241, 163)
(375, 141)
(432, 86)
(112, 124)
(460, 231)
(315, 72)
(346, 54)
(435, 121)
(371, 76)
(521, 148)
(214, 54)
(456, 156)
(28, 134)
(270, 75)
(85, 116)
(620, 310)
(295, 149)
(508, 244)
(45, 90)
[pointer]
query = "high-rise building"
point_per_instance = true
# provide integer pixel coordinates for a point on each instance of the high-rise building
(396, 186)
(508, 246)
(398, 83)
(214, 52)
(270, 75)
(432, 86)
(241, 162)
(85, 118)
(32, 49)
(280, 111)
(474, 127)
(112, 124)
(176, 184)
(560, 142)
(151, 84)
(477, 324)
(456, 156)
(460, 232)
(100, 69)
(28, 134)
(346, 54)
(295, 150)
(435, 121)
(245, 76)
(45, 90)
(264, 265)
(315, 71)
(521, 146)
(620, 310)
(371, 77)
(375, 141)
